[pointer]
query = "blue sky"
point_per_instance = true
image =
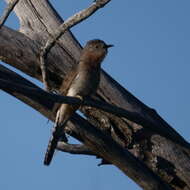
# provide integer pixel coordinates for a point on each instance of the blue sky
(150, 58)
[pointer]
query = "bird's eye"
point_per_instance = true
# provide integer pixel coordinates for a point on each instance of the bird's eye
(97, 47)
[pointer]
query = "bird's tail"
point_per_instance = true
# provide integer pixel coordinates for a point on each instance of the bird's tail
(63, 114)
(56, 135)
(50, 149)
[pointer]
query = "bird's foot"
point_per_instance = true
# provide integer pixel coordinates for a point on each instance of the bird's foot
(79, 97)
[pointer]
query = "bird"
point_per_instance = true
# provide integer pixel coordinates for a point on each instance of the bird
(82, 81)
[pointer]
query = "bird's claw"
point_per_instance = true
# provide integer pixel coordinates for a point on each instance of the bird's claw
(80, 97)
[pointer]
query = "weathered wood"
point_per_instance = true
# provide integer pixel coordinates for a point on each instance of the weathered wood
(38, 21)
(100, 105)
(101, 144)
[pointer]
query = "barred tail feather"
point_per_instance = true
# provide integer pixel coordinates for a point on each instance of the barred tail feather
(51, 149)
(63, 114)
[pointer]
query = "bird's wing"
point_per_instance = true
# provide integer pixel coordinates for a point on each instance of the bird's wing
(69, 78)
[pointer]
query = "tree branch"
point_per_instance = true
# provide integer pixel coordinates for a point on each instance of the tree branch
(117, 155)
(74, 148)
(168, 132)
(80, 149)
(98, 142)
(7, 12)
(72, 21)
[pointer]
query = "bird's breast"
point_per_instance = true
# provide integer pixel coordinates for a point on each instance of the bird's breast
(85, 83)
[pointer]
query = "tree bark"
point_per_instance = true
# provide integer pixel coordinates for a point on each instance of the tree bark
(102, 145)
(38, 21)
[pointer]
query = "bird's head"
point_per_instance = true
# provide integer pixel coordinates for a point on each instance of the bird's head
(95, 51)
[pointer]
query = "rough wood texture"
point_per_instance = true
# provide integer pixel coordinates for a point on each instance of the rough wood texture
(98, 142)
(39, 20)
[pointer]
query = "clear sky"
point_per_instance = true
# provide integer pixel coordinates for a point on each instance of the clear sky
(150, 58)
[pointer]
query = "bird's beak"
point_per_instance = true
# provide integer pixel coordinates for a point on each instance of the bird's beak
(108, 46)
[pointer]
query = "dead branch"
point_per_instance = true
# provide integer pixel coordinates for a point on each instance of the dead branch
(126, 160)
(93, 138)
(74, 148)
(168, 132)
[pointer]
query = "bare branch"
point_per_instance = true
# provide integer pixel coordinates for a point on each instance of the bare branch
(72, 21)
(95, 139)
(74, 148)
(7, 12)
(167, 132)
(117, 155)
